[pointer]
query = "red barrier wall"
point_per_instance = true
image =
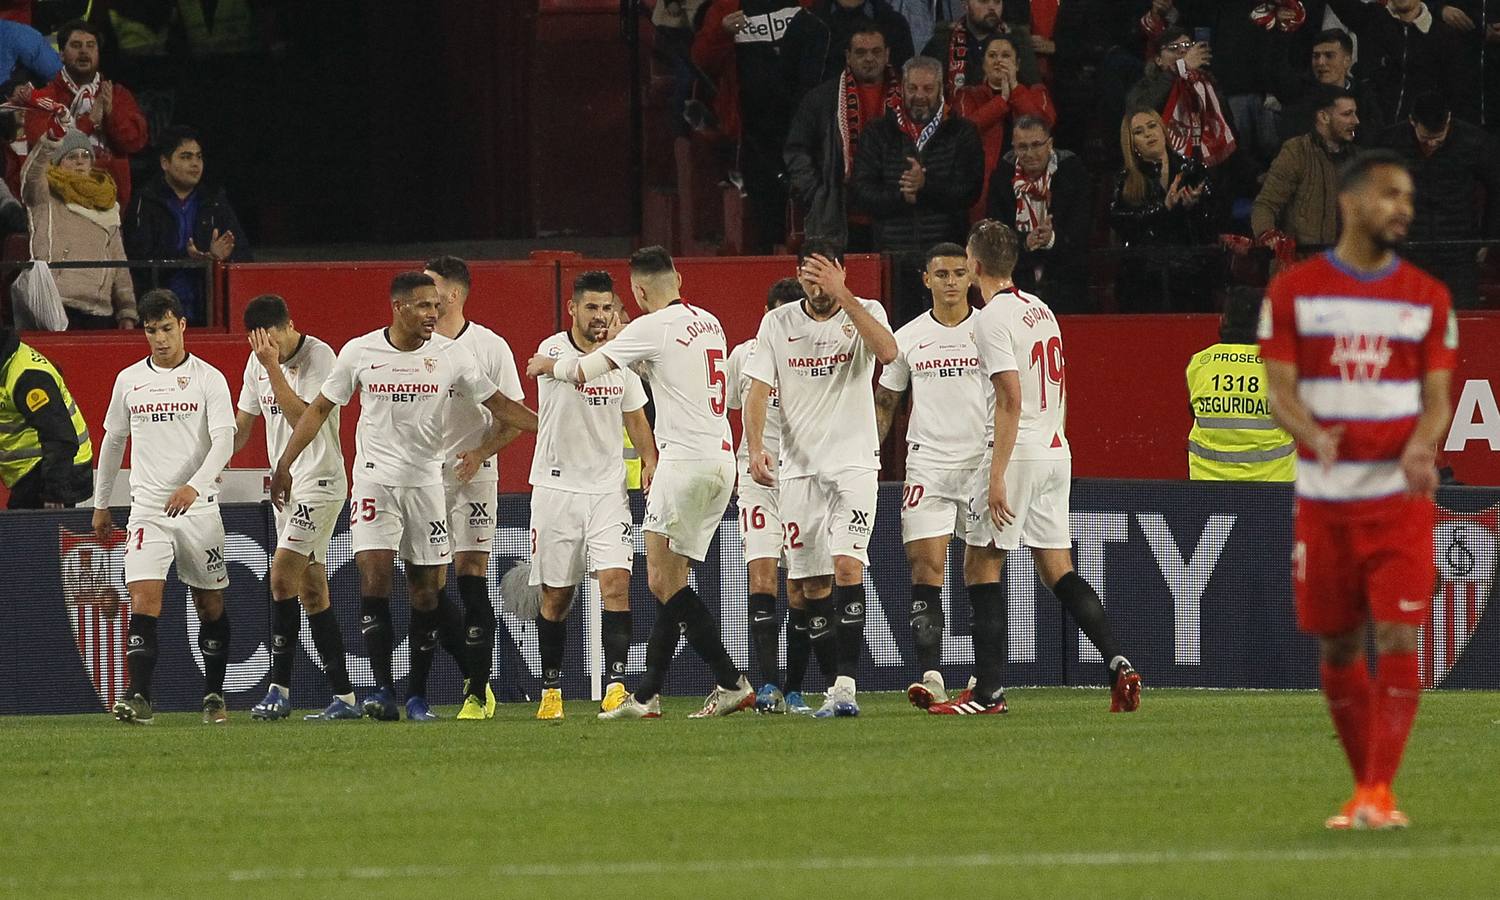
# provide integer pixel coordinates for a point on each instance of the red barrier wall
(1128, 413)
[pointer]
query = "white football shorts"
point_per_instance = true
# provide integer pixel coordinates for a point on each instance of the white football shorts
(306, 526)
(934, 503)
(194, 540)
(566, 525)
(687, 502)
(1037, 491)
(471, 514)
(824, 516)
(410, 520)
(760, 520)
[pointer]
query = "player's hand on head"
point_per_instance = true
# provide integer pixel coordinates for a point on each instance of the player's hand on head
(264, 348)
(104, 526)
(181, 499)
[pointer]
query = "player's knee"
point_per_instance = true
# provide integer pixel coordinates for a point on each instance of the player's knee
(209, 604)
(1395, 637)
(848, 571)
(664, 584)
(313, 602)
(555, 604)
(1341, 649)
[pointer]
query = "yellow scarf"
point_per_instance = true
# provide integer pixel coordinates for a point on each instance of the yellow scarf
(95, 190)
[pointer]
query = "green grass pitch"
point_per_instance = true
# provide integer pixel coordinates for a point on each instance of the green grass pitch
(1201, 794)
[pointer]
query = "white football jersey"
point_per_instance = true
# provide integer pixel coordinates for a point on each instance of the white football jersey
(170, 415)
(949, 392)
(684, 352)
(824, 371)
(403, 404)
(1018, 333)
(468, 420)
(319, 471)
(739, 391)
(579, 443)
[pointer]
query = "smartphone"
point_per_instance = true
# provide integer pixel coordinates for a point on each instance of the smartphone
(1203, 35)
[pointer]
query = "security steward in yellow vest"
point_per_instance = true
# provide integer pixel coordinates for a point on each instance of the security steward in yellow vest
(46, 458)
(1233, 436)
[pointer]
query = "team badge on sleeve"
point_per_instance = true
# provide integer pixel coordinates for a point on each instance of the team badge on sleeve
(36, 398)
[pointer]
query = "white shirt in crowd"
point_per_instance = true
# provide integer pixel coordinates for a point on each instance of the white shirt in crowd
(319, 471)
(823, 371)
(403, 398)
(578, 445)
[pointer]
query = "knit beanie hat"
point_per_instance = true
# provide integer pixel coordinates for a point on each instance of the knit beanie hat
(72, 140)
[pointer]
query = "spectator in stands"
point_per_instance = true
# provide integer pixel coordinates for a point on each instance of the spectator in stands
(45, 452)
(960, 46)
(1253, 38)
(1161, 201)
(1452, 163)
(178, 216)
(999, 100)
(825, 134)
(1044, 194)
(1300, 195)
(817, 38)
(1177, 85)
(1477, 23)
(75, 216)
(916, 173)
(925, 15)
(24, 46)
(1234, 437)
(103, 110)
(1405, 49)
(743, 46)
(1332, 60)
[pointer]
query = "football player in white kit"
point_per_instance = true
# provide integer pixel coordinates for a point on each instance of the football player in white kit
(578, 501)
(472, 505)
(1020, 494)
(683, 350)
(174, 410)
(761, 539)
(285, 370)
(945, 437)
(404, 376)
(820, 354)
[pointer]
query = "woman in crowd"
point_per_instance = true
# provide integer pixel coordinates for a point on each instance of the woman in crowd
(996, 102)
(75, 215)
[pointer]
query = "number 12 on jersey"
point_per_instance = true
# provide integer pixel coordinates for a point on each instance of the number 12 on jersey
(1048, 360)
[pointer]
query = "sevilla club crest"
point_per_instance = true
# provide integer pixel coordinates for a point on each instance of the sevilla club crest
(430, 363)
(1466, 546)
(93, 583)
(182, 382)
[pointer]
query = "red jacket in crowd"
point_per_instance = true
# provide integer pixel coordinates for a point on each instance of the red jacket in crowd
(124, 129)
(993, 115)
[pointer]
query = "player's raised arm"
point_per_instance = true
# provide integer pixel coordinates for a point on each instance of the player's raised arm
(829, 275)
(312, 419)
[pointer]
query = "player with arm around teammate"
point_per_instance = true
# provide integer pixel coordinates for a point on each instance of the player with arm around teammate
(403, 375)
(1020, 492)
(820, 354)
(283, 374)
(682, 347)
(945, 439)
(174, 410)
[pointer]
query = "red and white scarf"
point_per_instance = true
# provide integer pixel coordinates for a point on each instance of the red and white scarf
(849, 113)
(1033, 195)
(919, 136)
(1196, 126)
(1264, 15)
(958, 57)
(83, 94)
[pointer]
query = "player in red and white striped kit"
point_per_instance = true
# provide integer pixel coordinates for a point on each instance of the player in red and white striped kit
(1359, 348)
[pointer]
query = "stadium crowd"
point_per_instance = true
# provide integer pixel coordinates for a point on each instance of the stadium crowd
(1153, 125)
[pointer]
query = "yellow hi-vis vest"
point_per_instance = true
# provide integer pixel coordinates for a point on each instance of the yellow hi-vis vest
(1233, 436)
(20, 447)
(632, 465)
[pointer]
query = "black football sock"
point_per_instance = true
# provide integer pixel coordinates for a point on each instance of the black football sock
(286, 621)
(479, 631)
(329, 642)
(616, 628)
(763, 633)
(798, 649)
(213, 641)
(1082, 603)
(821, 634)
(988, 601)
(140, 654)
(660, 648)
(552, 638)
(380, 639)
(927, 625)
(850, 603)
(450, 632)
(422, 639)
(702, 632)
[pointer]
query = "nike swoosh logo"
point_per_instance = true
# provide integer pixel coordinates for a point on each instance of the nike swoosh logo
(793, 340)
(1409, 605)
(859, 546)
(484, 540)
(263, 378)
(379, 366)
(293, 540)
(444, 553)
(761, 618)
(925, 346)
(849, 622)
(139, 386)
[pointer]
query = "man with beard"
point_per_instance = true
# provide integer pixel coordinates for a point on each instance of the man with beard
(821, 146)
(916, 173)
(1360, 347)
(1300, 194)
(959, 46)
(819, 355)
(1332, 60)
(818, 38)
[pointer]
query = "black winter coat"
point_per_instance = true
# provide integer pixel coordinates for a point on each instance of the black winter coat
(1466, 166)
(150, 226)
(815, 164)
(954, 162)
(1402, 61)
(817, 38)
(1059, 274)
